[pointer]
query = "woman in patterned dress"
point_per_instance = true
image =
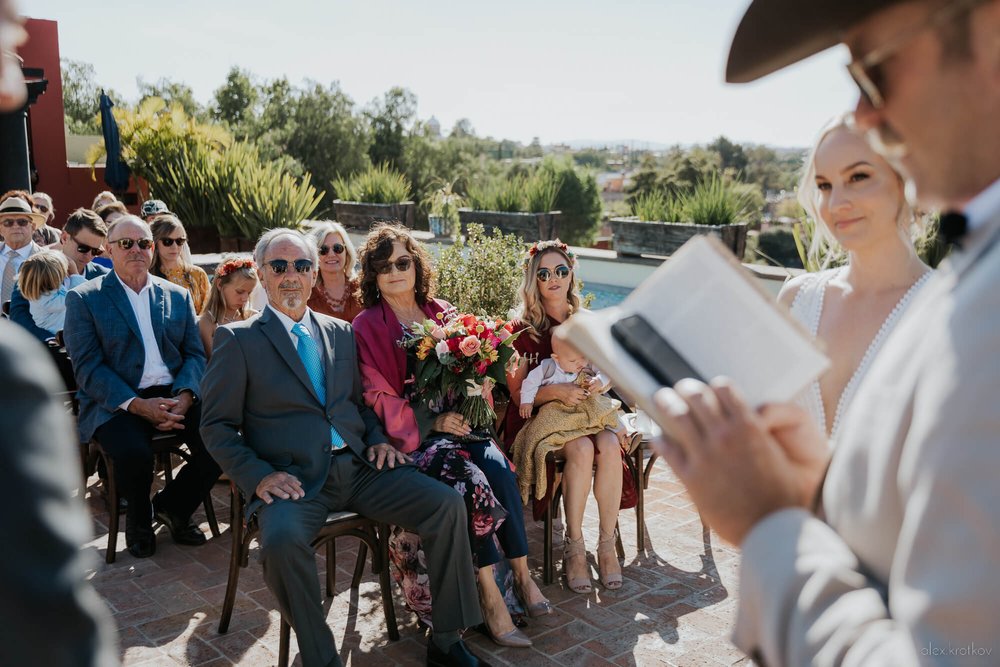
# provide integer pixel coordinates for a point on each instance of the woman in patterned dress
(172, 259)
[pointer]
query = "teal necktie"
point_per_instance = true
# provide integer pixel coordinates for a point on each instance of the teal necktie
(309, 354)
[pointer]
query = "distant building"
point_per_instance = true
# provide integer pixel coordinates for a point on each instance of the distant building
(434, 127)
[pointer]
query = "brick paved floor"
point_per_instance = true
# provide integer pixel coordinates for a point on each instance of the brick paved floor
(675, 607)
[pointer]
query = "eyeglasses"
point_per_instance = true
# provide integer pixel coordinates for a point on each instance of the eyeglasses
(280, 266)
(561, 272)
(169, 242)
(84, 249)
(867, 70)
(402, 265)
(20, 222)
(337, 248)
(126, 244)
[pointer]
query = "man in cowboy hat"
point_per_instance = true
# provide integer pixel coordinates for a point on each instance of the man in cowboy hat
(17, 222)
(886, 552)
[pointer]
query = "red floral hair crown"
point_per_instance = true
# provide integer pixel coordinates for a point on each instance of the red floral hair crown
(231, 265)
(541, 246)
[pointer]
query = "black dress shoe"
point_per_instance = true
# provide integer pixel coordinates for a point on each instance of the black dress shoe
(139, 539)
(458, 656)
(182, 532)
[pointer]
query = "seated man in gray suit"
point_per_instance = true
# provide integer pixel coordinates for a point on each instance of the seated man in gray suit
(81, 240)
(138, 359)
(285, 419)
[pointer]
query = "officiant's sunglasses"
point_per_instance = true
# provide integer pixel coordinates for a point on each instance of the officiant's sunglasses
(84, 249)
(402, 265)
(561, 272)
(126, 244)
(169, 242)
(281, 265)
(337, 248)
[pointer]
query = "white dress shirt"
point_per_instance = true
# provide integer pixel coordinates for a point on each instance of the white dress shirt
(154, 371)
(288, 323)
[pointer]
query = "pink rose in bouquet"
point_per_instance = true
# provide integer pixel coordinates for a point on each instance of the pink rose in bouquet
(470, 346)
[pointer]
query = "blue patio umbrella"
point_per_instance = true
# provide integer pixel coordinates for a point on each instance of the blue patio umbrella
(116, 173)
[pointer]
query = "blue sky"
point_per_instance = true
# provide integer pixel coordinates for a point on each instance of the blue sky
(561, 70)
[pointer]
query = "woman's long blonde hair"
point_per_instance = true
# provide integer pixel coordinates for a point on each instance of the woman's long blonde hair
(531, 310)
(823, 247)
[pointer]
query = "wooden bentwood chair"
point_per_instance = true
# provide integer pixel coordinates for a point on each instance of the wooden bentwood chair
(338, 524)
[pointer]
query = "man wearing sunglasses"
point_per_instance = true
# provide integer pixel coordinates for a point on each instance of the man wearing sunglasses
(17, 223)
(886, 551)
(138, 360)
(81, 240)
(285, 418)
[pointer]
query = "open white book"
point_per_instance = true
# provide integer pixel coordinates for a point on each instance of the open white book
(699, 315)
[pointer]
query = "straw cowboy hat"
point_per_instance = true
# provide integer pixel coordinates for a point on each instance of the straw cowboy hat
(16, 207)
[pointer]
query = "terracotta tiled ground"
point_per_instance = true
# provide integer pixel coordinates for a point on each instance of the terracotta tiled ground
(674, 609)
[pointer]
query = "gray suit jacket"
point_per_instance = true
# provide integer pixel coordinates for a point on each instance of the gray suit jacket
(260, 412)
(901, 567)
(102, 338)
(20, 311)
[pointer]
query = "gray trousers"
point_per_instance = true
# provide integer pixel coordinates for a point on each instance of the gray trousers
(402, 496)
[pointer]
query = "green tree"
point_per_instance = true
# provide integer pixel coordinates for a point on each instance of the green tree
(731, 155)
(463, 128)
(235, 101)
(81, 97)
(173, 93)
(579, 199)
(481, 274)
(390, 118)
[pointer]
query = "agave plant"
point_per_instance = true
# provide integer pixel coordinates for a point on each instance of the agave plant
(715, 201)
(379, 184)
(658, 206)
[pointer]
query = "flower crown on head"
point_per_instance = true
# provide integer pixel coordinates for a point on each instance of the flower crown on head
(231, 265)
(541, 246)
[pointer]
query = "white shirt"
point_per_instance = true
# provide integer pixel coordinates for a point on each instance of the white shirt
(288, 323)
(982, 207)
(539, 377)
(154, 371)
(22, 254)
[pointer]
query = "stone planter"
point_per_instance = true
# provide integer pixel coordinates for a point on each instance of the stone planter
(362, 215)
(529, 227)
(632, 237)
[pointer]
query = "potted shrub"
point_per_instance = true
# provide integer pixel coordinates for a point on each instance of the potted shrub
(378, 194)
(661, 222)
(442, 210)
(518, 205)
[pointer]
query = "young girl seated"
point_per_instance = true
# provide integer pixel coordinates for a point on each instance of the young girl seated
(44, 280)
(557, 423)
(235, 279)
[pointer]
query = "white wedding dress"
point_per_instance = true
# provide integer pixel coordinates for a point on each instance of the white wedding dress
(807, 308)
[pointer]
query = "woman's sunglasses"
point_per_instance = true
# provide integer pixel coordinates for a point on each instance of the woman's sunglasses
(337, 248)
(126, 244)
(281, 265)
(402, 265)
(561, 272)
(169, 242)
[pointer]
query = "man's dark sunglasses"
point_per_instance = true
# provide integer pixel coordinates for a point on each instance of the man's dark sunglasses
(84, 249)
(20, 222)
(337, 248)
(402, 265)
(281, 265)
(169, 242)
(126, 244)
(561, 272)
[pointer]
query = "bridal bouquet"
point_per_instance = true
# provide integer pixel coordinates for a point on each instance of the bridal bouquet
(461, 357)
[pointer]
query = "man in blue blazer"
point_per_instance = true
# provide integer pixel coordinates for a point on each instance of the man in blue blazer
(138, 361)
(81, 240)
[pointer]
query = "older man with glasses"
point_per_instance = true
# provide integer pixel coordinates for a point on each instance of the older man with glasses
(81, 240)
(138, 359)
(886, 552)
(17, 222)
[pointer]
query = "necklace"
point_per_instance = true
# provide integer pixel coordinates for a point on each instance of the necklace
(336, 305)
(225, 319)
